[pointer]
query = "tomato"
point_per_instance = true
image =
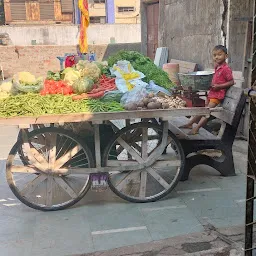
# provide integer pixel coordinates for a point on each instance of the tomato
(66, 91)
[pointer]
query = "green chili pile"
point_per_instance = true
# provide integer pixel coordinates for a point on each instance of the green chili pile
(37, 105)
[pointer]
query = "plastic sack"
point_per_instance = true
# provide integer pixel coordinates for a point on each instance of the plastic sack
(126, 75)
(134, 96)
(152, 87)
(113, 96)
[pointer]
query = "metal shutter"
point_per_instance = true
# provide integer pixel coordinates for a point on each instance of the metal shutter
(67, 6)
(18, 10)
(47, 10)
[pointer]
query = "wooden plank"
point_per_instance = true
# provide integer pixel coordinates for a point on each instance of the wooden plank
(159, 163)
(182, 133)
(185, 66)
(49, 190)
(63, 159)
(97, 145)
(225, 115)
(158, 178)
(23, 169)
(31, 186)
(234, 93)
(144, 143)
(229, 104)
(52, 153)
(143, 184)
(65, 186)
(130, 150)
(165, 114)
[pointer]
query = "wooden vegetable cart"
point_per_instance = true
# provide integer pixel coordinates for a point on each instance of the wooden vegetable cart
(50, 168)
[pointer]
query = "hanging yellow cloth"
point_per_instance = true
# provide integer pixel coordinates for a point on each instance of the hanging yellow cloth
(85, 21)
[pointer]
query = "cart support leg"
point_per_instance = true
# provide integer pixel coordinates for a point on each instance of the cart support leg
(97, 145)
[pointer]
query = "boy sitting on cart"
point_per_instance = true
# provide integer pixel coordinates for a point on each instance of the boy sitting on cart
(222, 80)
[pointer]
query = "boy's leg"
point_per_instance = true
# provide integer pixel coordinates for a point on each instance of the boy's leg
(193, 120)
(203, 121)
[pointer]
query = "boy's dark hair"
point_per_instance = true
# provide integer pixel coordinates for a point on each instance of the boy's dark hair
(220, 47)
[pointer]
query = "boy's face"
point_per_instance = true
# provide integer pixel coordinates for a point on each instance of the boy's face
(219, 56)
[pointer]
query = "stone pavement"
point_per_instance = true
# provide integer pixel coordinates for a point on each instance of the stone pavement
(102, 221)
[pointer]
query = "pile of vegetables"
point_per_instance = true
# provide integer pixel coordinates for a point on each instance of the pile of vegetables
(26, 82)
(98, 90)
(144, 65)
(154, 102)
(56, 87)
(36, 105)
(86, 87)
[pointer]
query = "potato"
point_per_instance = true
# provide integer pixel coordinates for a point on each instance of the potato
(130, 106)
(165, 105)
(145, 101)
(158, 105)
(152, 105)
(141, 104)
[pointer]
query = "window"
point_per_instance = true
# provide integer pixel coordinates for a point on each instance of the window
(99, 1)
(98, 20)
(126, 9)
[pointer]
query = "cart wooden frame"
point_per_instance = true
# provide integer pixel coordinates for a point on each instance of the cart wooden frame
(147, 165)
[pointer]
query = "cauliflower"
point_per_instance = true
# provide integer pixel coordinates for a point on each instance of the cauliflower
(27, 78)
(71, 76)
(91, 71)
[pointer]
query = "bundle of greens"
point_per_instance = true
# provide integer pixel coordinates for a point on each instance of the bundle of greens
(144, 65)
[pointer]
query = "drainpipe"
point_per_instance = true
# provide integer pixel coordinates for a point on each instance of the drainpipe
(110, 11)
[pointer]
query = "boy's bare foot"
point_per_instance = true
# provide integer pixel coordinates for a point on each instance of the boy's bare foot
(193, 132)
(186, 126)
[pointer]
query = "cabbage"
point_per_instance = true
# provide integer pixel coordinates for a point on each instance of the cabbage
(83, 85)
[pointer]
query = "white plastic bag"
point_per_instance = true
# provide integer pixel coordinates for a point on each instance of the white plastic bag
(134, 96)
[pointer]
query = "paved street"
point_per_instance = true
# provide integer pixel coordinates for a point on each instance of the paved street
(102, 221)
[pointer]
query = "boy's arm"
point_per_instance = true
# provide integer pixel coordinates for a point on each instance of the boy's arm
(223, 86)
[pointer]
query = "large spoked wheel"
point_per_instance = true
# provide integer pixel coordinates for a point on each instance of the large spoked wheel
(151, 176)
(51, 178)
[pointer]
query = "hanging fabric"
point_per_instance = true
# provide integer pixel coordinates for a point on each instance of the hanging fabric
(85, 21)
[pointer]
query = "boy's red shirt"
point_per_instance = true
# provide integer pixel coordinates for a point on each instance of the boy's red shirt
(223, 74)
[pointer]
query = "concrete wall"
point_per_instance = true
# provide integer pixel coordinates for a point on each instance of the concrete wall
(190, 29)
(39, 59)
(69, 34)
(239, 13)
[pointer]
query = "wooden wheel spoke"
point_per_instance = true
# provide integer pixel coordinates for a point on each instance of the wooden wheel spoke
(65, 158)
(49, 190)
(31, 186)
(144, 145)
(130, 150)
(22, 169)
(35, 158)
(158, 178)
(136, 146)
(143, 184)
(121, 183)
(65, 186)
(52, 152)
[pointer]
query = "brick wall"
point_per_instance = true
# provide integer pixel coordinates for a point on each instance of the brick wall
(39, 59)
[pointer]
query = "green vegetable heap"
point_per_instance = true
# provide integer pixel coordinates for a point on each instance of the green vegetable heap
(37, 105)
(144, 65)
